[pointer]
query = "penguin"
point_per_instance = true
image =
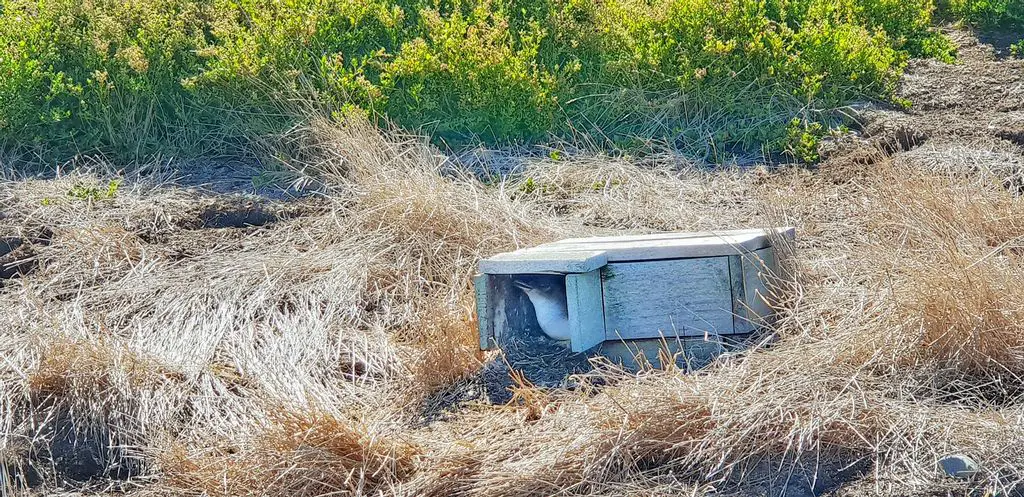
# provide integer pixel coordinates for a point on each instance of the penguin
(549, 304)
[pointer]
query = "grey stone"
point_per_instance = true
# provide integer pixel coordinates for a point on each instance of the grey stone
(959, 466)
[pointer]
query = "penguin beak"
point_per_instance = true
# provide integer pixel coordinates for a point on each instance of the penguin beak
(522, 285)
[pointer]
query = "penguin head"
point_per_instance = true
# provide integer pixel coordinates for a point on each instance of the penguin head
(541, 287)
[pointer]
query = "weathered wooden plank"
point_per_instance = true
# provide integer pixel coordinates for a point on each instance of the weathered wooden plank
(758, 268)
(682, 297)
(581, 255)
(503, 317)
(484, 316)
(669, 246)
(586, 310)
(544, 261)
(690, 353)
(740, 323)
(662, 249)
(787, 232)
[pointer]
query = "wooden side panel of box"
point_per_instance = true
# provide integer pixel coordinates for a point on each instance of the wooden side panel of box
(586, 310)
(690, 353)
(740, 322)
(759, 268)
(484, 316)
(752, 298)
(667, 298)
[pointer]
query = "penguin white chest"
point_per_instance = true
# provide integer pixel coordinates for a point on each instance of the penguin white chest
(552, 316)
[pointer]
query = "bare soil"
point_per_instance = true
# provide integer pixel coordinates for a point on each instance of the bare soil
(974, 107)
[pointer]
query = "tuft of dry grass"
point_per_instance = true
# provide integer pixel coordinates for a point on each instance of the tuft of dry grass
(300, 453)
(93, 368)
(967, 311)
(446, 345)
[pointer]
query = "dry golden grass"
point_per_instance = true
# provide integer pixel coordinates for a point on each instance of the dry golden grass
(299, 454)
(306, 357)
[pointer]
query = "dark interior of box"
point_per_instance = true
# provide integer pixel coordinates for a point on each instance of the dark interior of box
(518, 322)
(524, 344)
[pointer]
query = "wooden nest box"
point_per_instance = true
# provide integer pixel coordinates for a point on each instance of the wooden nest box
(630, 294)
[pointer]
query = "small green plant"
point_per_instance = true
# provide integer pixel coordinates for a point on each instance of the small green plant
(602, 185)
(902, 103)
(1017, 49)
(802, 139)
(93, 193)
(529, 186)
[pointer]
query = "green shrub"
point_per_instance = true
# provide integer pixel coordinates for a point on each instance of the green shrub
(987, 13)
(268, 50)
(470, 74)
(94, 193)
(802, 139)
(80, 76)
(194, 77)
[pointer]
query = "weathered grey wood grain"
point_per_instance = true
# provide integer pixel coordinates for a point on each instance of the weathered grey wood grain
(758, 269)
(786, 232)
(690, 353)
(502, 316)
(484, 316)
(580, 255)
(544, 261)
(682, 297)
(586, 310)
(671, 245)
(740, 322)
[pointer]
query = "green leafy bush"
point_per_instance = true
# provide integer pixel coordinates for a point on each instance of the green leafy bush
(988, 13)
(471, 73)
(94, 193)
(100, 74)
(190, 77)
(802, 139)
